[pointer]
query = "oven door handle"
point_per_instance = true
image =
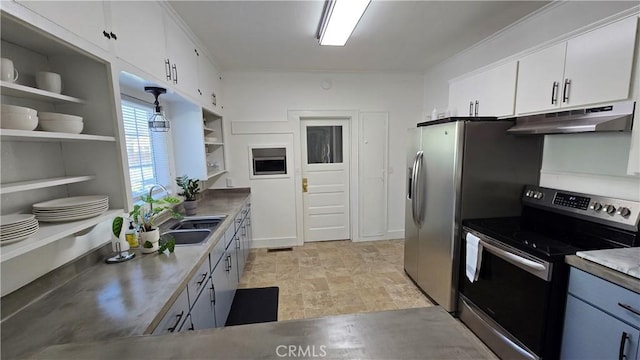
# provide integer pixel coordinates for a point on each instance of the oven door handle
(513, 257)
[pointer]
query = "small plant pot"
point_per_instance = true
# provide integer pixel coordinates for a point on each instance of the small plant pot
(153, 237)
(190, 207)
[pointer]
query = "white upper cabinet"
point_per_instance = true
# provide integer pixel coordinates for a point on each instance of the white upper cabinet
(599, 64)
(540, 80)
(209, 80)
(489, 93)
(183, 57)
(139, 30)
(591, 68)
(84, 18)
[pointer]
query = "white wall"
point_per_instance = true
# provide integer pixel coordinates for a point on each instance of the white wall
(269, 96)
(569, 162)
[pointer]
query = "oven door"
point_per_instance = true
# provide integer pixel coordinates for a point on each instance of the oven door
(513, 290)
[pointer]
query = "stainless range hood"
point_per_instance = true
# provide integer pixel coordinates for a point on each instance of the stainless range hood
(612, 117)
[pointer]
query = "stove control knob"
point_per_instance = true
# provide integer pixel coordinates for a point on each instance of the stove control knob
(596, 206)
(625, 212)
(529, 193)
(537, 195)
(610, 209)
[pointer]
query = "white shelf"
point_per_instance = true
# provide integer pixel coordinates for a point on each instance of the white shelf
(213, 143)
(26, 135)
(16, 90)
(209, 129)
(51, 232)
(215, 173)
(41, 183)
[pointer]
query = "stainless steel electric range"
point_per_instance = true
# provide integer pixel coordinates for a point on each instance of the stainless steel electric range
(516, 300)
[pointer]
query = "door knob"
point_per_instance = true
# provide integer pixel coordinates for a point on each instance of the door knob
(305, 184)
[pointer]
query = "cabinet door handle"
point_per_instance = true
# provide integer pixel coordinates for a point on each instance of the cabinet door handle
(204, 277)
(237, 243)
(213, 293)
(470, 108)
(227, 264)
(565, 90)
(178, 318)
(106, 34)
(113, 36)
(175, 73)
(230, 263)
(623, 343)
(167, 67)
(630, 308)
(476, 108)
(554, 93)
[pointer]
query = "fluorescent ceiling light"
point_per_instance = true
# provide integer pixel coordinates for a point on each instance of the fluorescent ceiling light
(339, 18)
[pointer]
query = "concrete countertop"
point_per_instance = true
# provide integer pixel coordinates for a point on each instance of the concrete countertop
(421, 333)
(116, 300)
(611, 275)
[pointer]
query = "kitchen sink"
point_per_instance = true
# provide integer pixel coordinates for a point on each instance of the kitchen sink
(199, 222)
(188, 237)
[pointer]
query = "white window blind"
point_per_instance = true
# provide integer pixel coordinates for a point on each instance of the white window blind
(147, 151)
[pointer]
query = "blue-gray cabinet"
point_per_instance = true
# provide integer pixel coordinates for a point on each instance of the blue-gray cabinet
(602, 320)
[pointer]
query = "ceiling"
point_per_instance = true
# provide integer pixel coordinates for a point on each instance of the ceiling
(392, 36)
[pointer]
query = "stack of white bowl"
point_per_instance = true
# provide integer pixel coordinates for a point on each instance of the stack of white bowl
(60, 122)
(17, 227)
(18, 117)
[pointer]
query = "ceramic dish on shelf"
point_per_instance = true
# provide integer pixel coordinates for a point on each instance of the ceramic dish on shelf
(14, 109)
(71, 208)
(67, 202)
(58, 116)
(18, 121)
(70, 127)
(17, 227)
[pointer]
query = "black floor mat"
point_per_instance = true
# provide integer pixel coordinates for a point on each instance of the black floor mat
(252, 306)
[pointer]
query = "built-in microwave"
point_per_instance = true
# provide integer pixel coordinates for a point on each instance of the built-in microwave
(269, 165)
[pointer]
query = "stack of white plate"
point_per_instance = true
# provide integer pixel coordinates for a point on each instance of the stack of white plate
(60, 122)
(71, 208)
(17, 227)
(18, 117)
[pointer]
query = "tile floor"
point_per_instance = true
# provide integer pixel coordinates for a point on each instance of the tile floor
(334, 277)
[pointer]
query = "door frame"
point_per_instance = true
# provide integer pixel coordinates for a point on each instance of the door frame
(352, 116)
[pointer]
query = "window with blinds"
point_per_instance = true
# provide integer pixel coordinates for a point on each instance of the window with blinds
(147, 151)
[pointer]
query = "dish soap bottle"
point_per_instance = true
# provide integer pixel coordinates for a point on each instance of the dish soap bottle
(132, 236)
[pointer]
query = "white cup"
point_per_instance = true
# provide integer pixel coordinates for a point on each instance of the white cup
(49, 81)
(7, 71)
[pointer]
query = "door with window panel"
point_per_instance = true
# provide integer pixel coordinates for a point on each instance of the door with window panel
(325, 182)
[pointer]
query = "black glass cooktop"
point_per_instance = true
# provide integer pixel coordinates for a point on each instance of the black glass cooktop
(551, 236)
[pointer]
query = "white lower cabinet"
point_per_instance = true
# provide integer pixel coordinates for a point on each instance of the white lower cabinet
(224, 289)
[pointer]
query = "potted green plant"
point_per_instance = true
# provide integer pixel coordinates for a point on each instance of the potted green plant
(145, 216)
(190, 190)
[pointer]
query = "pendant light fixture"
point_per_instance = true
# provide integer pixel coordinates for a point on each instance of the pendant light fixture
(157, 122)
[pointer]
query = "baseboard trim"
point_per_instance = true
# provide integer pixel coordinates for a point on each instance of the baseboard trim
(274, 242)
(390, 235)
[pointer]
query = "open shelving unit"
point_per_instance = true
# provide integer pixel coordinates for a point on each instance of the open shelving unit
(51, 232)
(40, 165)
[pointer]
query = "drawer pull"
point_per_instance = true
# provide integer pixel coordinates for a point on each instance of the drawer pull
(178, 318)
(623, 342)
(630, 308)
(204, 277)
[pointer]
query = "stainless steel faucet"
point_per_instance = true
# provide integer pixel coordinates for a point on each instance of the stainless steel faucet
(151, 191)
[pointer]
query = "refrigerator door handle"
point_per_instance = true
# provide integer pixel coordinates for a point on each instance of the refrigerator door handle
(413, 189)
(417, 189)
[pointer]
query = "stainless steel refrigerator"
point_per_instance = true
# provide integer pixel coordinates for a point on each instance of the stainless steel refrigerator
(459, 168)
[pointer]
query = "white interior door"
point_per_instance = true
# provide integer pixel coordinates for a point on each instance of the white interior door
(325, 178)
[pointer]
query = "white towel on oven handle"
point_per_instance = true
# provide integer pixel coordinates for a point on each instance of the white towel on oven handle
(474, 257)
